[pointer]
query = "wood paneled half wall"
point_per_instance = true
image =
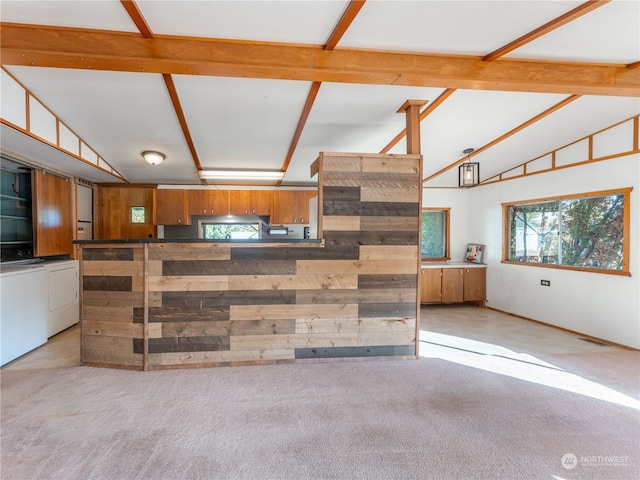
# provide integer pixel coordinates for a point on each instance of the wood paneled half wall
(153, 304)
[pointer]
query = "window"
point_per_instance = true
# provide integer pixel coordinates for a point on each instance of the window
(230, 231)
(580, 232)
(137, 215)
(435, 234)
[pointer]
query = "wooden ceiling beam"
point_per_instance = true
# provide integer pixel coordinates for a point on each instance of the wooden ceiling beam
(116, 51)
(345, 22)
(546, 28)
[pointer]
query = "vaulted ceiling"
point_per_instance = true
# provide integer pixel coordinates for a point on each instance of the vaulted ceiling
(269, 84)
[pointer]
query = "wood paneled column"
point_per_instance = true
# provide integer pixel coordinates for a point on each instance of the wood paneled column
(412, 110)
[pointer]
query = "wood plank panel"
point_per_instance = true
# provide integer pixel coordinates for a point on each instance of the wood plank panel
(381, 281)
(113, 351)
(224, 357)
(292, 282)
(113, 299)
(263, 266)
(164, 313)
(116, 268)
(383, 209)
(195, 329)
(387, 310)
(112, 329)
(262, 342)
(403, 337)
(112, 283)
(405, 194)
(366, 267)
(350, 352)
(387, 252)
(389, 224)
(107, 253)
(189, 283)
(189, 251)
(341, 194)
(259, 327)
(340, 163)
(281, 254)
(332, 238)
(185, 344)
(393, 164)
(341, 223)
(275, 312)
(356, 296)
(329, 325)
(229, 297)
(374, 179)
(107, 314)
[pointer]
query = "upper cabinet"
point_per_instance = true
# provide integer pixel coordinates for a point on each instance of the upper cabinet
(208, 202)
(250, 202)
(52, 212)
(170, 207)
(291, 207)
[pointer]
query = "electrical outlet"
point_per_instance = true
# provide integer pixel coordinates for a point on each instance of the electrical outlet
(545, 283)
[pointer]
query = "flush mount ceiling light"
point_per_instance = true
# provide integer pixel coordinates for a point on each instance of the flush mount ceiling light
(469, 172)
(241, 176)
(153, 158)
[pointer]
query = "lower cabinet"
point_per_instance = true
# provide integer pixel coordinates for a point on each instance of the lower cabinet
(453, 285)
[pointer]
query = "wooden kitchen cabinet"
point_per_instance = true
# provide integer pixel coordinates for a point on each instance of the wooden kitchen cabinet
(261, 202)
(291, 207)
(453, 285)
(170, 207)
(475, 284)
(208, 202)
(52, 215)
(431, 285)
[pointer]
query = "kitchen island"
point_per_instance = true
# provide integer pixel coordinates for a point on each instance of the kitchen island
(152, 304)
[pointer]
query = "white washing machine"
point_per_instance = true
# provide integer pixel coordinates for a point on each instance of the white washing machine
(63, 296)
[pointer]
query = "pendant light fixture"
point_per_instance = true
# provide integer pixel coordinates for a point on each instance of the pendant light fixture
(469, 172)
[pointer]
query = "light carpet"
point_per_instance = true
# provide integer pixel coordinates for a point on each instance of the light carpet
(418, 419)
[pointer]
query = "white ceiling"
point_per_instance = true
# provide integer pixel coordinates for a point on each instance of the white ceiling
(250, 122)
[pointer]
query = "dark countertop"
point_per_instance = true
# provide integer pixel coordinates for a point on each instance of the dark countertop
(283, 241)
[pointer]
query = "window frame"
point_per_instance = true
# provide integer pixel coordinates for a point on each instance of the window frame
(447, 236)
(144, 215)
(626, 192)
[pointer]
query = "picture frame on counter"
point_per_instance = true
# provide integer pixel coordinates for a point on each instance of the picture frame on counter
(474, 253)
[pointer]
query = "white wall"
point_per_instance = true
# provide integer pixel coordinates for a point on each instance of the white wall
(600, 305)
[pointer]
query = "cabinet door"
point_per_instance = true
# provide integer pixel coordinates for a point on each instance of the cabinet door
(171, 207)
(452, 285)
(474, 284)
(431, 285)
(208, 202)
(291, 207)
(303, 205)
(285, 207)
(261, 202)
(52, 215)
(240, 202)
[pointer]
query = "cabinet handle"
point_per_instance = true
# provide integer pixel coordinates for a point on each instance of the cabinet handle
(178, 220)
